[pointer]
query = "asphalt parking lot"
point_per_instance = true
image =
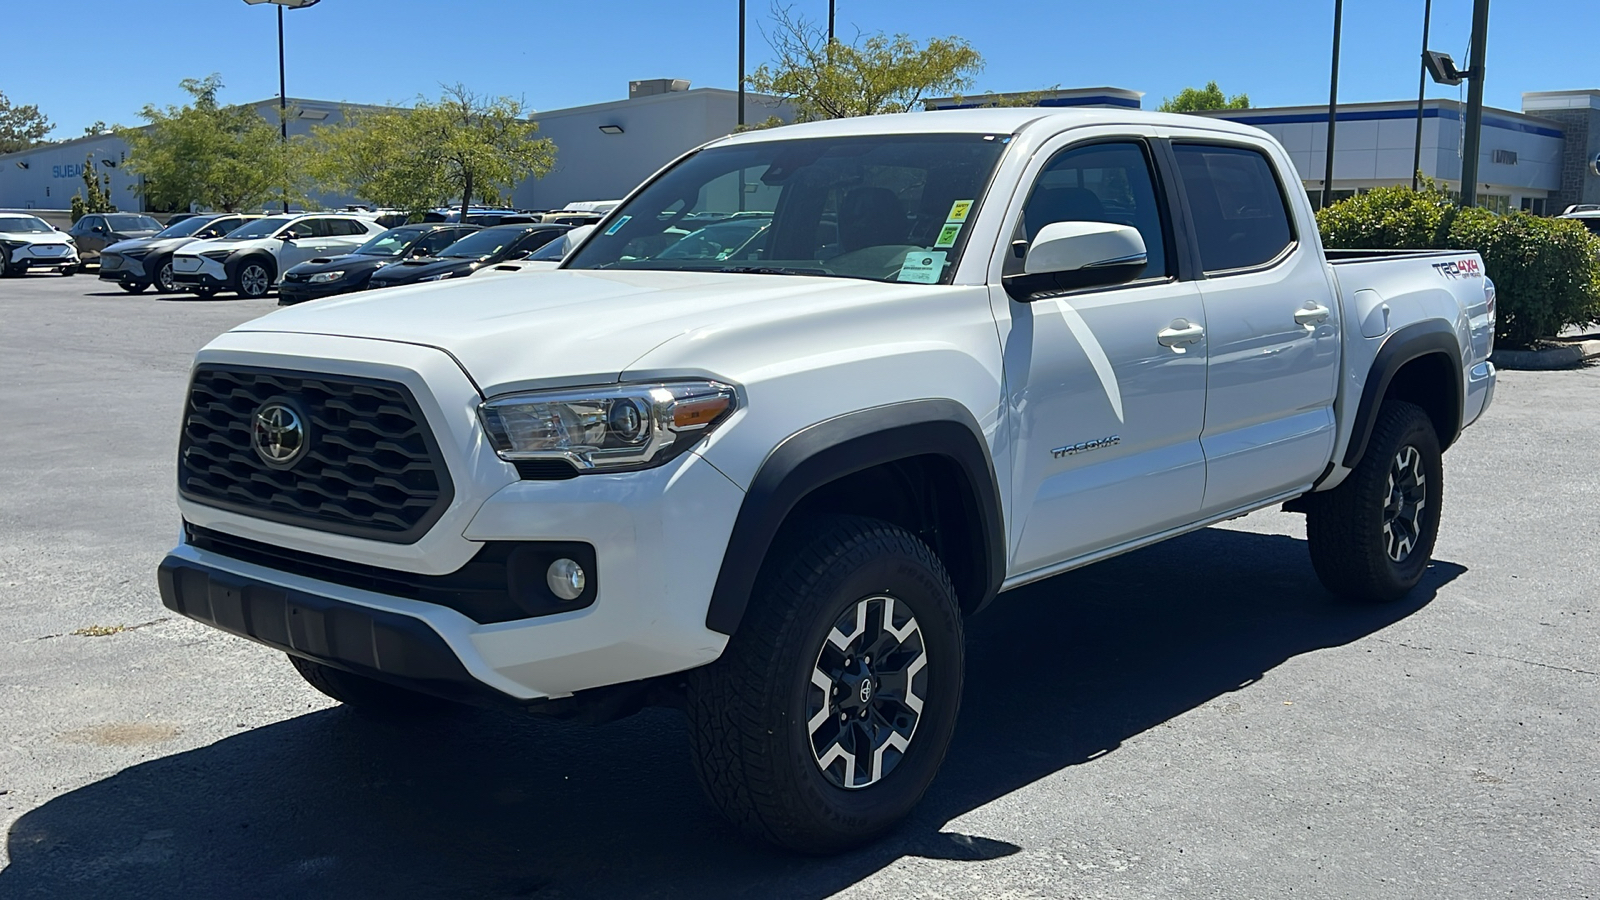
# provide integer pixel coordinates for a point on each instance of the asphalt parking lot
(1195, 720)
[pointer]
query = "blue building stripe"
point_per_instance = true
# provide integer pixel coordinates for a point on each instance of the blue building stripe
(1123, 102)
(1370, 115)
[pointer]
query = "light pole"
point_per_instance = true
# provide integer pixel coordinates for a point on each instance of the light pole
(1422, 91)
(1333, 103)
(741, 64)
(1474, 137)
(283, 96)
(830, 21)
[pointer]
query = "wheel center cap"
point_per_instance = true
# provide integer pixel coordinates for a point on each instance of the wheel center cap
(865, 691)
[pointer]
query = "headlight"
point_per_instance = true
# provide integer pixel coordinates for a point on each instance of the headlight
(630, 426)
(217, 255)
(135, 254)
(13, 245)
(440, 277)
(325, 277)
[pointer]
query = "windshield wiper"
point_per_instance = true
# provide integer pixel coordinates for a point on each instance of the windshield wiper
(773, 270)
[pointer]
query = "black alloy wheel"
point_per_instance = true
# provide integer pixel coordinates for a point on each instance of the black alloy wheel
(868, 689)
(1371, 538)
(828, 714)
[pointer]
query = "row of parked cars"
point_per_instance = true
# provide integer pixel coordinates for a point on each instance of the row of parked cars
(306, 256)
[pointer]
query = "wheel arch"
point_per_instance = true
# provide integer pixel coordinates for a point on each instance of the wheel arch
(236, 263)
(1421, 364)
(868, 463)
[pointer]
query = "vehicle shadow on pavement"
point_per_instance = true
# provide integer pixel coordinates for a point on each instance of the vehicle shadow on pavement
(489, 805)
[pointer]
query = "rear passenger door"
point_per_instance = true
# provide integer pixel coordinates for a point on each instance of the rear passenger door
(1271, 323)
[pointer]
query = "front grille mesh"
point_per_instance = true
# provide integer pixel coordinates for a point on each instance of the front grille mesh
(370, 469)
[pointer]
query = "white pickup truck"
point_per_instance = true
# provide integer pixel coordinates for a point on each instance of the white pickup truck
(971, 350)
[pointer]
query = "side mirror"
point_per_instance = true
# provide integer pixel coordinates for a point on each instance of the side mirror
(419, 252)
(289, 235)
(1067, 256)
(99, 229)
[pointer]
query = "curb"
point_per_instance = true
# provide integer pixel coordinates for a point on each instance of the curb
(1565, 356)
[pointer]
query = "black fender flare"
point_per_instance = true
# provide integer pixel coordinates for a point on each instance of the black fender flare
(832, 449)
(1404, 345)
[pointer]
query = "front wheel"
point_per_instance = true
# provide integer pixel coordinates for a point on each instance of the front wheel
(1371, 538)
(164, 282)
(133, 287)
(829, 713)
(254, 280)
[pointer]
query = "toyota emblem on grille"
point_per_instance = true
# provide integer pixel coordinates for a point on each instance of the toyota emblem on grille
(278, 434)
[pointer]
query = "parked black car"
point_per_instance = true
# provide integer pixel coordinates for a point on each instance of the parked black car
(142, 262)
(471, 253)
(326, 276)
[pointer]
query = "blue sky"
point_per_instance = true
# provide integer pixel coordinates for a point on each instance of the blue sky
(562, 54)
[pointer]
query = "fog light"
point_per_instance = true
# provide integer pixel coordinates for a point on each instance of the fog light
(566, 579)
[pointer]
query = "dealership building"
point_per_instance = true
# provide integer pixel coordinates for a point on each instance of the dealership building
(602, 150)
(1542, 158)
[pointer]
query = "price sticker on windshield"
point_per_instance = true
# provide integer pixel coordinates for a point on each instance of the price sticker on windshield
(959, 211)
(923, 267)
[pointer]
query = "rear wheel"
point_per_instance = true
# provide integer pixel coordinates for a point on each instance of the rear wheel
(828, 714)
(1371, 538)
(368, 695)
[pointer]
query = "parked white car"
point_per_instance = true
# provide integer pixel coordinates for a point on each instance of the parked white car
(252, 258)
(29, 242)
(977, 348)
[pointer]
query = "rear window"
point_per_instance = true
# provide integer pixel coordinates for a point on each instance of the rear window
(1240, 215)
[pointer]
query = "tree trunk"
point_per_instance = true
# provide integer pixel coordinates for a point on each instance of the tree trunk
(466, 196)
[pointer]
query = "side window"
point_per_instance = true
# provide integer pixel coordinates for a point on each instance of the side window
(439, 240)
(351, 227)
(536, 239)
(314, 228)
(217, 228)
(1101, 183)
(1240, 216)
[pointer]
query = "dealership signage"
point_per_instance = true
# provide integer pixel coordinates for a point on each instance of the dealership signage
(70, 170)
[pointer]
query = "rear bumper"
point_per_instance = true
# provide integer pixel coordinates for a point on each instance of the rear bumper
(388, 646)
(1480, 391)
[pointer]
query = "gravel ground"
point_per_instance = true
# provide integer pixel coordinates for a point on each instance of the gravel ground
(1199, 719)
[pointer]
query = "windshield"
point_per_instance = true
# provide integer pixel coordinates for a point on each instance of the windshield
(390, 243)
(260, 228)
(133, 223)
(878, 207)
(188, 227)
(483, 243)
(23, 224)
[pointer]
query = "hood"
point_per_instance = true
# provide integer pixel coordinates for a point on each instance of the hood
(164, 245)
(195, 248)
(562, 327)
(410, 270)
(35, 237)
(346, 262)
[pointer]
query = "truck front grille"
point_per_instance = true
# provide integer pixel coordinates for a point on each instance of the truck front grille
(366, 466)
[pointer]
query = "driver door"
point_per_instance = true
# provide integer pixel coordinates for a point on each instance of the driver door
(1106, 407)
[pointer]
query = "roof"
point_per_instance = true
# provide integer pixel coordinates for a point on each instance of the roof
(1009, 120)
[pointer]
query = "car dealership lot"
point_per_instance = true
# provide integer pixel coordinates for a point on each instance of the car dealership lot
(1197, 719)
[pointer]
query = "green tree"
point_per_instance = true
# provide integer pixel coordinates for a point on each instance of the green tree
(97, 128)
(1200, 99)
(21, 127)
(94, 198)
(464, 146)
(220, 157)
(874, 74)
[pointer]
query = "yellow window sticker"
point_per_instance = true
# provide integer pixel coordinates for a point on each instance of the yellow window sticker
(959, 211)
(947, 235)
(923, 267)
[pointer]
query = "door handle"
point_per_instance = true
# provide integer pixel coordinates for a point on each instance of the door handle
(1180, 333)
(1313, 313)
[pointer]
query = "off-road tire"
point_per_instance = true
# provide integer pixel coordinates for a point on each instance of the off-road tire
(752, 744)
(1345, 526)
(367, 695)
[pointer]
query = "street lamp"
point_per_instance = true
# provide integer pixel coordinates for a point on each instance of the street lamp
(1333, 104)
(283, 97)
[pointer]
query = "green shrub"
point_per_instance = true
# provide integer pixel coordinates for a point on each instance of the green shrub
(1546, 271)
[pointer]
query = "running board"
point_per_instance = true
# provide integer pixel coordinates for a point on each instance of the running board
(1079, 562)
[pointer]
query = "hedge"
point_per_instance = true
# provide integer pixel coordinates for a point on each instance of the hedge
(1546, 271)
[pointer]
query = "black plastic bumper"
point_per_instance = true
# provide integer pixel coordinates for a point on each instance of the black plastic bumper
(201, 280)
(386, 646)
(292, 292)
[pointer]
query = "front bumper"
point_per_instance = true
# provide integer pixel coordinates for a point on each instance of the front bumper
(387, 646)
(208, 273)
(291, 292)
(32, 256)
(658, 537)
(119, 268)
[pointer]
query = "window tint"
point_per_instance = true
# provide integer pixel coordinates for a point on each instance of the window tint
(536, 239)
(1101, 183)
(439, 240)
(1239, 213)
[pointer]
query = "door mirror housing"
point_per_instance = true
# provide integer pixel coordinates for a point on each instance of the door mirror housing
(1067, 256)
(289, 235)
